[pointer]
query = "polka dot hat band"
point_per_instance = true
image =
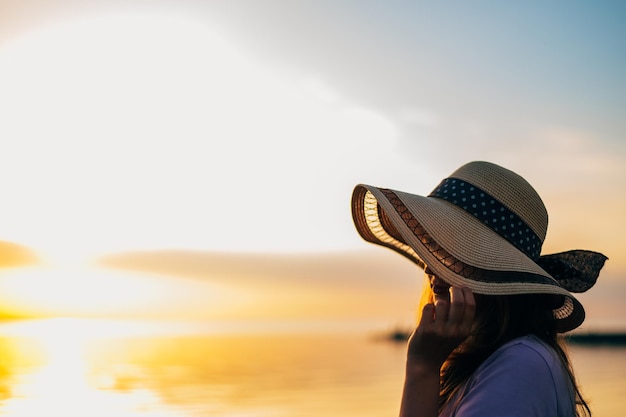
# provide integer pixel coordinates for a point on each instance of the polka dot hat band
(483, 228)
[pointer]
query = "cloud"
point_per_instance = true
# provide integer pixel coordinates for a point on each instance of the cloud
(13, 255)
(567, 157)
(161, 134)
(347, 269)
(373, 284)
(419, 117)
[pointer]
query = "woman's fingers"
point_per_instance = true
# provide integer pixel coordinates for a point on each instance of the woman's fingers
(457, 315)
(428, 315)
(443, 325)
(457, 306)
(470, 310)
(442, 308)
(462, 308)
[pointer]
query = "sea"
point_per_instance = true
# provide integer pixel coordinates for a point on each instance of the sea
(98, 368)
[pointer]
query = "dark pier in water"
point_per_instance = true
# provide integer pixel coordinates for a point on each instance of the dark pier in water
(597, 339)
(576, 338)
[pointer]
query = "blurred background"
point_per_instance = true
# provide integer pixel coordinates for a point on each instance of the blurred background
(176, 236)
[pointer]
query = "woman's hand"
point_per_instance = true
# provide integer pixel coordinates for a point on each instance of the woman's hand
(442, 327)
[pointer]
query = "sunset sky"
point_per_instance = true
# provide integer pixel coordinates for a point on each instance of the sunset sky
(232, 129)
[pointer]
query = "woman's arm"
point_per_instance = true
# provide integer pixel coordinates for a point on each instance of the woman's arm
(420, 395)
(442, 327)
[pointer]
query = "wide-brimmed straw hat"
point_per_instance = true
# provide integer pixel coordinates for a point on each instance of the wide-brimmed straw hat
(482, 228)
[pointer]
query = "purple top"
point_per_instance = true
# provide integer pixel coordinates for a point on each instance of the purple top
(523, 378)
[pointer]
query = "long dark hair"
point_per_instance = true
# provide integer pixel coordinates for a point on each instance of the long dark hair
(500, 319)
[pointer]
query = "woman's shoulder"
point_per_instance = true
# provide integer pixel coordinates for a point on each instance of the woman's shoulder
(525, 362)
(524, 375)
(526, 350)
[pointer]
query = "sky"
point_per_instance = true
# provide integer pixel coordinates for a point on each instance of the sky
(242, 126)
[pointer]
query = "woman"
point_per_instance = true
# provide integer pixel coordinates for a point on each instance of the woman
(487, 342)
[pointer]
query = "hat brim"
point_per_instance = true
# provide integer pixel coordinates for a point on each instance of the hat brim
(456, 246)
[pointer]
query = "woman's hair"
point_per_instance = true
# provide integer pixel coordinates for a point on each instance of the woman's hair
(500, 319)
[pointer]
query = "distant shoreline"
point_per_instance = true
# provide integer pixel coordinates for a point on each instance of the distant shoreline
(597, 338)
(578, 338)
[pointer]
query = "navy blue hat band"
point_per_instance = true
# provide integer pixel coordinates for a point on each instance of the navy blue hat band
(491, 212)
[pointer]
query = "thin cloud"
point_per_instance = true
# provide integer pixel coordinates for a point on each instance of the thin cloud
(153, 138)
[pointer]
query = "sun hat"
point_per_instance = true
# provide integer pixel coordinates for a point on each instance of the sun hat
(482, 228)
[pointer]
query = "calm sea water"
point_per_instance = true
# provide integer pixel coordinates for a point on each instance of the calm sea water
(78, 368)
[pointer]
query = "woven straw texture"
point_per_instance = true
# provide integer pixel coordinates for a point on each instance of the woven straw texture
(455, 245)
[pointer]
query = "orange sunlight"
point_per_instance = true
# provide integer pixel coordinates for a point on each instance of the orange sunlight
(57, 381)
(99, 368)
(85, 292)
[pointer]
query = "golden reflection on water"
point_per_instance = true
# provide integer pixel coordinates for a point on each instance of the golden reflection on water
(103, 368)
(601, 373)
(46, 370)
(77, 368)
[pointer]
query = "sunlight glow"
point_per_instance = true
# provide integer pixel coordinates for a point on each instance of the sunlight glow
(60, 384)
(84, 292)
(151, 131)
(70, 367)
